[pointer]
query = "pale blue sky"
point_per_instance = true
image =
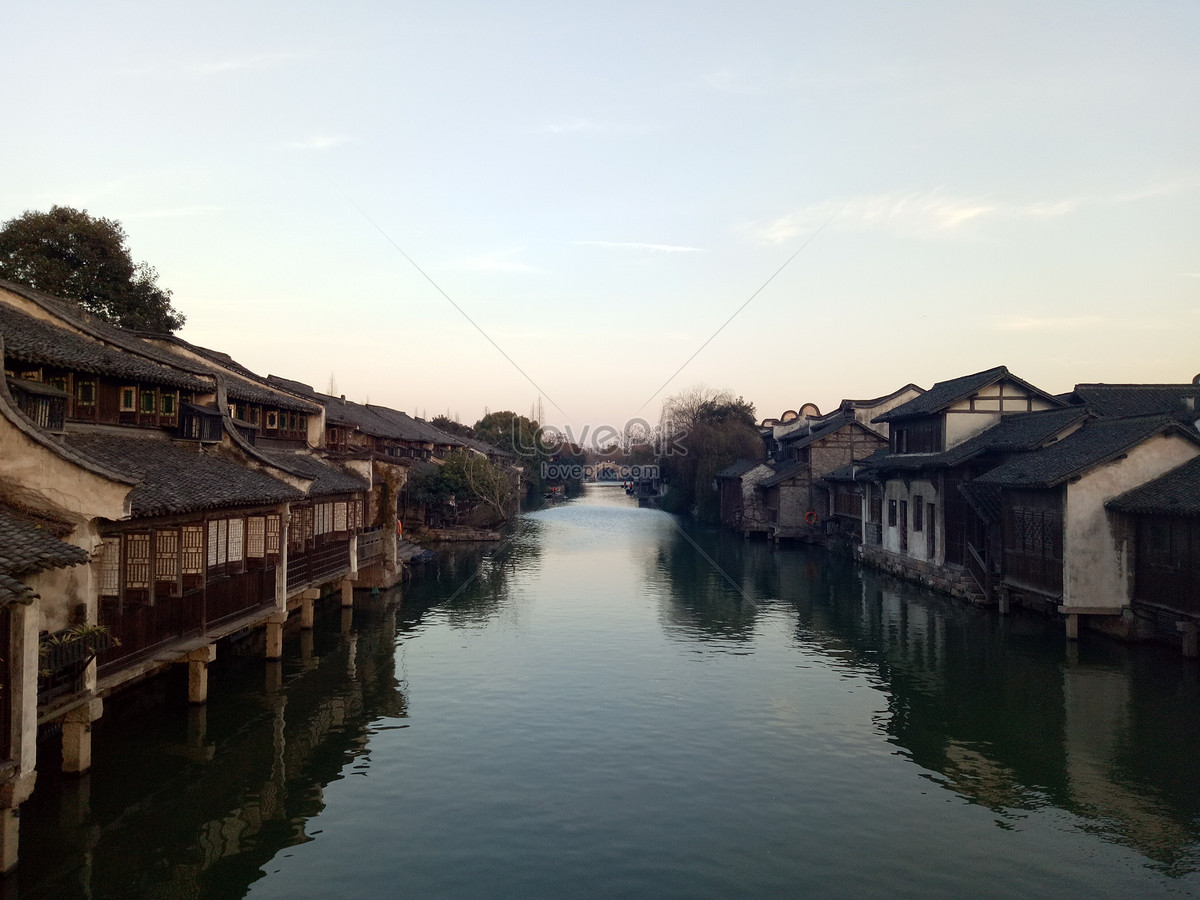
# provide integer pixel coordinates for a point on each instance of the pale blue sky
(600, 187)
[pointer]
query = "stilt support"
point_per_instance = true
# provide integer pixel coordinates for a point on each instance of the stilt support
(275, 635)
(77, 736)
(1191, 638)
(12, 794)
(1003, 601)
(197, 663)
(1072, 626)
(347, 592)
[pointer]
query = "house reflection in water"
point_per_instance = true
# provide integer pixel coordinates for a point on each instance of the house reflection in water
(193, 805)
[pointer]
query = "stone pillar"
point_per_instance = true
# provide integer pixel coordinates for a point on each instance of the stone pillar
(354, 557)
(1003, 600)
(77, 736)
(1072, 626)
(306, 610)
(1190, 633)
(197, 663)
(281, 570)
(10, 827)
(347, 593)
(274, 627)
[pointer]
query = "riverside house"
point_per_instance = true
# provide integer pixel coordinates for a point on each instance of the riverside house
(156, 500)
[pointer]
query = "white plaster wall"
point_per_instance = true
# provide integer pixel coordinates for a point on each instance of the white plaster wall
(1096, 563)
(918, 541)
(864, 414)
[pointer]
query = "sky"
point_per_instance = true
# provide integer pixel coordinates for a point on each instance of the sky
(453, 207)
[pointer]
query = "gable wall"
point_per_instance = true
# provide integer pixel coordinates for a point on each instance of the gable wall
(1096, 552)
(975, 414)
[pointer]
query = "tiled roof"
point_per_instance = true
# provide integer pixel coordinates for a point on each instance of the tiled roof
(175, 478)
(38, 342)
(790, 471)
(944, 393)
(1015, 432)
(241, 385)
(987, 500)
(737, 469)
(1097, 442)
(878, 401)
(411, 429)
(1176, 493)
(27, 548)
(1137, 399)
(325, 478)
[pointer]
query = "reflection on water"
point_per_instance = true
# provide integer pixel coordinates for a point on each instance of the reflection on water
(612, 701)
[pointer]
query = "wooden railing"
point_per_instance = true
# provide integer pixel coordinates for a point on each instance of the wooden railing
(978, 570)
(320, 564)
(370, 546)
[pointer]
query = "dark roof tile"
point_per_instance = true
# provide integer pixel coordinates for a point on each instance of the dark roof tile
(41, 343)
(326, 479)
(1099, 441)
(1176, 493)
(944, 393)
(175, 478)
(27, 547)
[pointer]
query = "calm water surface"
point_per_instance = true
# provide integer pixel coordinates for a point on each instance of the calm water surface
(616, 704)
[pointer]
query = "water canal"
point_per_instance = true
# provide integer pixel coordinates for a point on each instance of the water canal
(608, 706)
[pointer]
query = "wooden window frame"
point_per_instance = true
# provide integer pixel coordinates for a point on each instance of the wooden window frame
(132, 393)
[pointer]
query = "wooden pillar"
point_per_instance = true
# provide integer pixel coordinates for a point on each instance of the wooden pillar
(77, 736)
(197, 663)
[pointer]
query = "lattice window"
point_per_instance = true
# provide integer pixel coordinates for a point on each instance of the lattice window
(237, 542)
(166, 555)
(256, 534)
(339, 516)
(108, 568)
(324, 518)
(213, 528)
(192, 538)
(357, 510)
(273, 534)
(137, 560)
(128, 399)
(85, 393)
(149, 402)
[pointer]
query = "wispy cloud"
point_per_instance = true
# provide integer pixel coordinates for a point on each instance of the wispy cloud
(1047, 323)
(498, 261)
(934, 213)
(242, 63)
(319, 142)
(638, 245)
(590, 127)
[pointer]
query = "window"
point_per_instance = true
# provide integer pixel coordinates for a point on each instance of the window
(109, 568)
(149, 402)
(166, 558)
(256, 533)
(255, 413)
(302, 423)
(192, 537)
(918, 512)
(137, 560)
(59, 382)
(31, 375)
(891, 514)
(85, 393)
(273, 534)
(128, 399)
(233, 410)
(167, 404)
(272, 420)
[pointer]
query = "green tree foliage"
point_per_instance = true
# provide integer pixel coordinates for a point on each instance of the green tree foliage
(75, 256)
(448, 425)
(714, 429)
